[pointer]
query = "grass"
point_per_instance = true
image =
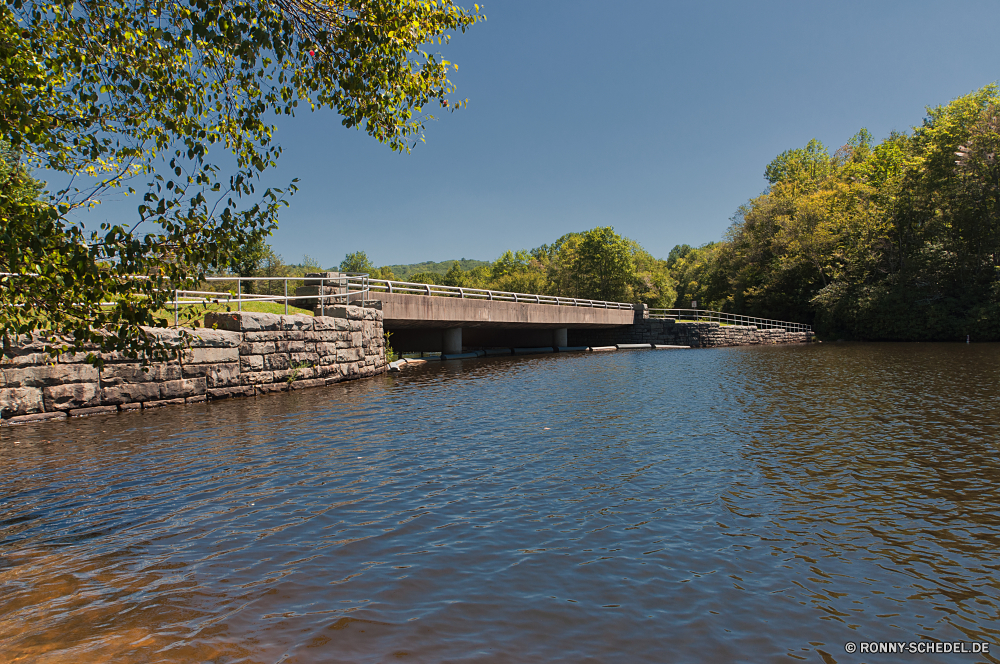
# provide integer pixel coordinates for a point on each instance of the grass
(187, 314)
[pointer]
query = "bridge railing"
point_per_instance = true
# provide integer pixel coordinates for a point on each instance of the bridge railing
(413, 288)
(347, 287)
(709, 316)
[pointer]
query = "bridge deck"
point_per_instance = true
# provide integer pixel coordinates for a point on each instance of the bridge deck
(401, 311)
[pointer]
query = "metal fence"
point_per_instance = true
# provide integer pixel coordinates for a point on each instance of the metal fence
(412, 288)
(707, 315)
(346, 287)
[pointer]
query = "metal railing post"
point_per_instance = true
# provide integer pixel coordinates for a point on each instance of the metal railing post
(239, 294)
(286, 295)
(176, 312)
(322, 298)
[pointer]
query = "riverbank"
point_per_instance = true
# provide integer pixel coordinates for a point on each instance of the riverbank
(245, 354)
(236, 354)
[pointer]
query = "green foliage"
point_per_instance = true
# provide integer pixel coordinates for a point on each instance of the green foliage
(357, 262)
(152, 98)
(390, 354)
(403, 272)
(604, 265)
(895, 240)
(455, 276)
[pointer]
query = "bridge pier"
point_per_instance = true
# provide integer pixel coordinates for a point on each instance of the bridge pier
(451, 340)
(560, 337)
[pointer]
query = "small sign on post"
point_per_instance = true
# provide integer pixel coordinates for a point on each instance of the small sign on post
(694, 304)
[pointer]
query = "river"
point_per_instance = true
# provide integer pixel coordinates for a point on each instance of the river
(757, 504)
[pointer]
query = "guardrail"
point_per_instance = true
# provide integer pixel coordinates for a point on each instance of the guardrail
(352, 285)
(413, 288)
(707, 315)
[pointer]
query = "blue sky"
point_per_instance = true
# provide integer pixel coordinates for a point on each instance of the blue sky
(655, 117)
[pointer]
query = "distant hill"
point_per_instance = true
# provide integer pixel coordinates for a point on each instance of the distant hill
(404, 272)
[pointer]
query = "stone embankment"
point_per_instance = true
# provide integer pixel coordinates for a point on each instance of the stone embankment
(666, 331)
(234, 355)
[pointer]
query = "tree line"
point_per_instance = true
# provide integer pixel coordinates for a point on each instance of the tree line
(598, 264)
(895, 240)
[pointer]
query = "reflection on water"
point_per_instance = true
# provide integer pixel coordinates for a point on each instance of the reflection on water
(745, 504)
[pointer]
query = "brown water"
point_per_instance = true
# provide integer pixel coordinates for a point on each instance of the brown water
(744, 504)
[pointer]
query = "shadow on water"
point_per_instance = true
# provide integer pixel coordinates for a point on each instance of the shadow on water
(744, 504)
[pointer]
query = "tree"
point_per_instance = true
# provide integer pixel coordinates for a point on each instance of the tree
(604, 267)
(152, 97)
(455, 276)
(357, 262)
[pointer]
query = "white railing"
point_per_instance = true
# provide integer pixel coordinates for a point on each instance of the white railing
(412, 288)
(707, 315)
(348, 286)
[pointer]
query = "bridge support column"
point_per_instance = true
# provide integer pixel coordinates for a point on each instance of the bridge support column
(560, 337)
(451, 340)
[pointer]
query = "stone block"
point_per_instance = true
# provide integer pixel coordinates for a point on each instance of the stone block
(297, 323)
(215, 375)
(160, 403)
(293, 346)
(230, 392)
(276, 361)
(20, 401)
(36, 417)
(324, 370)
(355, 325)
(134, 405)
(70, 395)
(264, 336)
(257, 347)
(267, 388)
(323, 323)
(48, 375)
(25, 359)
(118, 374)
(94, 410)
(348, 355)
(130, 393)
(313, 382)
(256, 377)
(342, 324)
(326, 348)
(209, 338)
(357, 339)
(252, 363)
(243, 321)
(200, 398)
(355, 313)
(178, 389)
(309, 358)
(302, 373)
(281, 375)
(211, 355)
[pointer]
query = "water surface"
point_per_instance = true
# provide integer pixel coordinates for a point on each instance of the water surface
(743, 504)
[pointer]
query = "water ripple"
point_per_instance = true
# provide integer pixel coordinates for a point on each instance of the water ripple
(746, 504)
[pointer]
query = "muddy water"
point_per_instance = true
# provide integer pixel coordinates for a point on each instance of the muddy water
(745, 504)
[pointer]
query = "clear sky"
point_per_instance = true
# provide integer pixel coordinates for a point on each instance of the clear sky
(655, 117)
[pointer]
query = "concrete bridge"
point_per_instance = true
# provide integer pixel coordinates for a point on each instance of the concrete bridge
(449, 319)
(428, 317)
(446, 324)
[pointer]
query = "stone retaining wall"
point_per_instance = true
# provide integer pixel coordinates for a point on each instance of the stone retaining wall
(236, 354)
(675, 333)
